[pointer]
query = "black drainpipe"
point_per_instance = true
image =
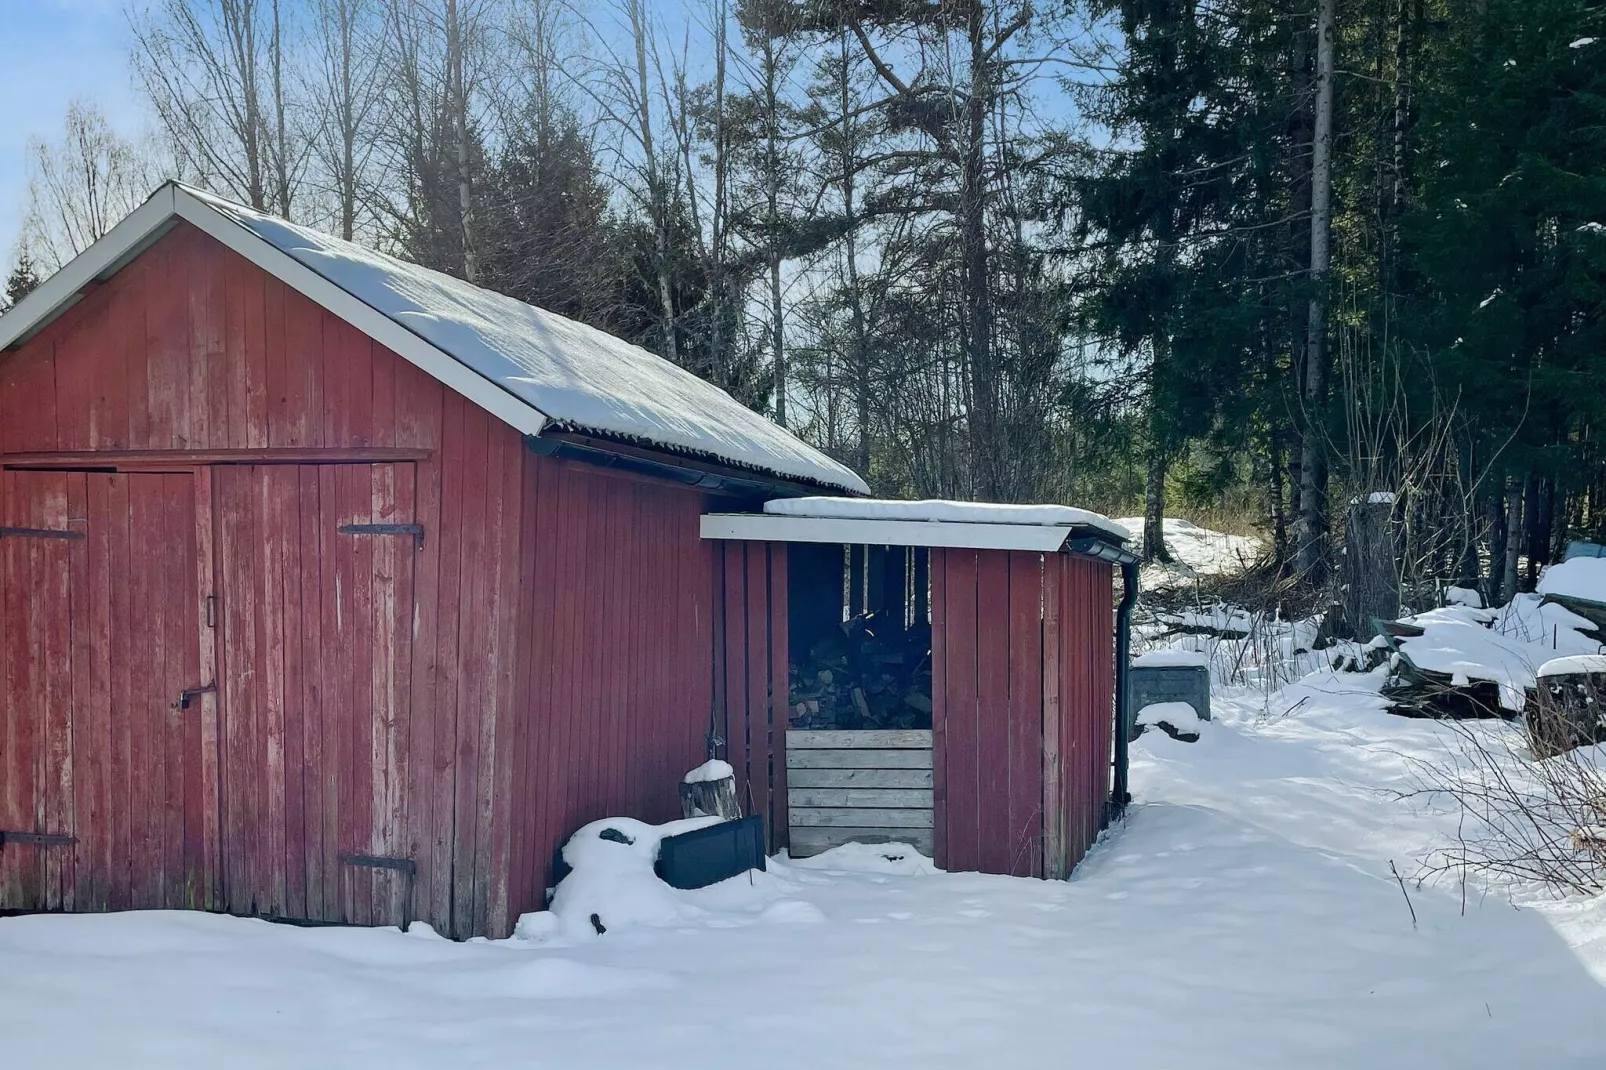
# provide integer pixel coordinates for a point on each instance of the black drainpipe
(1120, 796)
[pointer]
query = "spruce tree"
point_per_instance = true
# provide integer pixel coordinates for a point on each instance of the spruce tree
(23, 280)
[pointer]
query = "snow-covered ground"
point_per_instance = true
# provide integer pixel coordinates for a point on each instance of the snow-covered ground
(1244, 916)
(1197, 552)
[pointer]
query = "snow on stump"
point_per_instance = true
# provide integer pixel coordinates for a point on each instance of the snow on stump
(1178, 720)
(710, 791)
(1569, 707)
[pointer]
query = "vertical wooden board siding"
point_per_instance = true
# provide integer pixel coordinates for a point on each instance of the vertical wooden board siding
(209, 417)
(32, 573)
(205, 876)
(780, 680)
(240, 533)
(1054, 858)
(528, 818)
(315, 866)
(85, 777)
(508, 587)
(142, 701)
(27, 383)
(565, 790)
(755, 797)
(993, 711)
(1072, 710)
(937, 573)
(1086, 671)
(714, 554)
(960, 679)
(548, 786)
(736, 662)
(166, 352)
(1024, 820)
(92, 723)
(54, 691)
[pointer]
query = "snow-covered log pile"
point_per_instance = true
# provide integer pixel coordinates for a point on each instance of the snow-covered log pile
(1463, 660)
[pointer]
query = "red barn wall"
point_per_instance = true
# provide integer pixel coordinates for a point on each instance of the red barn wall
(544, 658)
(1023, 690)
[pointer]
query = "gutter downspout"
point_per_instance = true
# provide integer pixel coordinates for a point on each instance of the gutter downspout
(1120, 796)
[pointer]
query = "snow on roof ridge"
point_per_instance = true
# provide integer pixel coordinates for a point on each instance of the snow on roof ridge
(947, 511)
(574, 374)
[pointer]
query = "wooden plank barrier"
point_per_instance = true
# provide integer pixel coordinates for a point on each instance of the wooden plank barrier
(858, 786)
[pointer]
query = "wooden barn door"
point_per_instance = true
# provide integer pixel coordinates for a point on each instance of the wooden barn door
(37, 547)
(106, 794)
(316, 581)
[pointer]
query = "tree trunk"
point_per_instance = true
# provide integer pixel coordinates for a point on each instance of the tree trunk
(1154, 495)
(861, 346)
(1313, 459)
(1497, 548)
(458, 88)
(1513, 540)
(773, 180)
(1274, 496)
(978, 306)
(657, 202)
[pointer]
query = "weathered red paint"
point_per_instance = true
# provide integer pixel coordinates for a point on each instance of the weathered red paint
(1024, 699)
(549, 656)
(750, 674)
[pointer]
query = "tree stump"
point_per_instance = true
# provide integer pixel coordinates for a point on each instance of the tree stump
(1371, 564)
(710, 791)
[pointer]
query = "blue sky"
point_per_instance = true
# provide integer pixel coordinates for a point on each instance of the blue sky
(50, 52)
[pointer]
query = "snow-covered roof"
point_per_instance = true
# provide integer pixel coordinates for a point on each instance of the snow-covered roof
(534, 369)
(949, 512)
(883, 522)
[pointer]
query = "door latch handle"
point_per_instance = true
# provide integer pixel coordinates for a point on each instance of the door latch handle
(187, 697)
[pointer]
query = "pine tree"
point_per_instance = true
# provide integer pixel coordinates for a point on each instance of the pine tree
(22, 281)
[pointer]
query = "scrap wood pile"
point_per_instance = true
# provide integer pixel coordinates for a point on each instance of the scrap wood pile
(870, 672)
(1463, 660)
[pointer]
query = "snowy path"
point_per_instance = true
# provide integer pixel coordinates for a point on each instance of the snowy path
(1245, 917)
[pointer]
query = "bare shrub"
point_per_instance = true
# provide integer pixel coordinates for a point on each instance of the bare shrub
(1529, 810)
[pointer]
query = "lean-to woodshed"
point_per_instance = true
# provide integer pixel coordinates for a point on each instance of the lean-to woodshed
(996, 631)
(336, 589)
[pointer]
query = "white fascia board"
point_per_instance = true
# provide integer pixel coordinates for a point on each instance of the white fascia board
(447, 370)
(100, 261)
(768, 528)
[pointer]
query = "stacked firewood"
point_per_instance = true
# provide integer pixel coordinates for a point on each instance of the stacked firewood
(869, 673)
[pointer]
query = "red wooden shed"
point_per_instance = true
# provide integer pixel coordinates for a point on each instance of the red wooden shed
(1017, 767)
(333, 588)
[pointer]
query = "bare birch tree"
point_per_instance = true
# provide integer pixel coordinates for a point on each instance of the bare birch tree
(218, 73)
(80, 186)
(345, 85)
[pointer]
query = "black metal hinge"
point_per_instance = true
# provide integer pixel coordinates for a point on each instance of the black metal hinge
(38, 839)
(187, 697)
(415, 530)
(39, 533)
